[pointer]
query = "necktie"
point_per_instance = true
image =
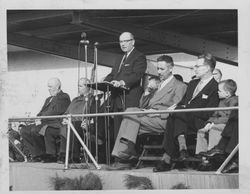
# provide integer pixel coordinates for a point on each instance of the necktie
(159, 86)
(122, 62)
(198, 89)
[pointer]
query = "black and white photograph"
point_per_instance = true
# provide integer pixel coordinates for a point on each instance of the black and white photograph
(124, 98)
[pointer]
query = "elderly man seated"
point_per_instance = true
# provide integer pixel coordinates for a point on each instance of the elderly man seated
(84, 103)
(33, 135)
(169, 92)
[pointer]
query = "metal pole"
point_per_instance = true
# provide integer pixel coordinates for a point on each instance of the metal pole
(96, 105)
(124, 100)
(87, 135)
(84, 146)
(66, 165)
(106, 125)
(16, 119)
(86, 59)
(20, 152)
(108, 132)
(228, 159)
(86, 99)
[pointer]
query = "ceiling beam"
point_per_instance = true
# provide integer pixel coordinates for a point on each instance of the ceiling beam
(57, 30)
(183, 43)
(31, 15)
(171, 19)
(60, 49)
(156, 49)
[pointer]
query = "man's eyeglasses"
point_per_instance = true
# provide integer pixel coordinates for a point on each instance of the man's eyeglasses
(125, 41)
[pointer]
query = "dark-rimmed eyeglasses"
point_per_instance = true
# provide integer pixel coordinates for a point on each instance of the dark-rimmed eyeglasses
(125, 41)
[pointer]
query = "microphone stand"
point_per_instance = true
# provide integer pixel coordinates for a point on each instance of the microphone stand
(96, 102)
(87, 133)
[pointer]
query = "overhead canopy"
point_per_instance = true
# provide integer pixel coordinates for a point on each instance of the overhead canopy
(156, 31)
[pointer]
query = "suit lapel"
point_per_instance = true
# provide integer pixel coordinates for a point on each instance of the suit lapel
(204, 89)
(163, 92)
(127, 60)
(47, 102)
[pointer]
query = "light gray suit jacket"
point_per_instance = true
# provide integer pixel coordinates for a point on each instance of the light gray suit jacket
(170, 94)
(132, 125)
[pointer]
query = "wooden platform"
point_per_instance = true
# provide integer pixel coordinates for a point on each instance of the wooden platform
(36, 176)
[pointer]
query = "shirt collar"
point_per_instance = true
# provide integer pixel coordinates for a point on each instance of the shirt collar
(166, 81)
(205, 81)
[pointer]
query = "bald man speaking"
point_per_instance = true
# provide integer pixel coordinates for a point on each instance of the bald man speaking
(128, 71)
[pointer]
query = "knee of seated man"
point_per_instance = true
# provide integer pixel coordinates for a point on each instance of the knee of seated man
(35, 130)
(130, 109)
(25, 130)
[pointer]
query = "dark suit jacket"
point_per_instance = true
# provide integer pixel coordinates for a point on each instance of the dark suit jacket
(231, 132)
(222, 116)
(79, 106)
(207, 97)
(56, 105)
(131, 73)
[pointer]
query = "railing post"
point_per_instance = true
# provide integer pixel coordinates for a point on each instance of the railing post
(230, 156)
(66, 165)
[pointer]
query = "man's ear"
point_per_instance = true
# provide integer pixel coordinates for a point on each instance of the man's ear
(228, 93)
(133, 42)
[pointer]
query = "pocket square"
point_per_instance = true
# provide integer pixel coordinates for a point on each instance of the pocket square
(204, 96)
(126, 65)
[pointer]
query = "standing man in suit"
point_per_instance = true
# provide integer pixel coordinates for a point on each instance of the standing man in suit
(127, 72)
(169, 92)
(33, 135)
(201, 93)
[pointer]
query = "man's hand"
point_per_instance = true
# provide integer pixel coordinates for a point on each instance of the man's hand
(65, 121)
(172, 107)
(151, 115)
(147, 91)
(84, 124)
(38, 122)
(208, 127)
(118, 83)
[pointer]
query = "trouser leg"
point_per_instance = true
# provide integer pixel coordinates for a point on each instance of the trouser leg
(214, 138)
(27, 139)
(38, 141)
(74, 146)
(50, 137)
(173, 129)
(128, 130)
(201, 143)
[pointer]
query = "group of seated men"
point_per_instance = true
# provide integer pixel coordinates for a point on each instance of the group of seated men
(163, 93)
(41, 137)
(203, 91)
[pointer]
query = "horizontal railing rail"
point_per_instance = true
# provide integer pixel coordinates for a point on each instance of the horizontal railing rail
(19, 119)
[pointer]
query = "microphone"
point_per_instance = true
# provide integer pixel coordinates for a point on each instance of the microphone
(84, 36)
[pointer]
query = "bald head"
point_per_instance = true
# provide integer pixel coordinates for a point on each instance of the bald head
(127, 41)
(54, 86)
